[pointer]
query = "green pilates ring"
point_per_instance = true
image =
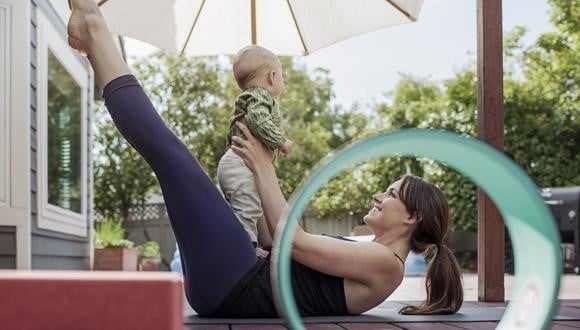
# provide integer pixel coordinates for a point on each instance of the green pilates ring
(530, 224)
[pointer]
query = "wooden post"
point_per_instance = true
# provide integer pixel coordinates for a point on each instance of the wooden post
(490, 117)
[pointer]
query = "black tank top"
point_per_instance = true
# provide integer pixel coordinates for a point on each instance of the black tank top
(316, 293)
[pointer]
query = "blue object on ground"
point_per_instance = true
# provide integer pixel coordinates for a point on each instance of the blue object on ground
(415, 265)
(175, 265)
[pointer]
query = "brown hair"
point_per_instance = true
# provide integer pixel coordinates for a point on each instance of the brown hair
(443, 282)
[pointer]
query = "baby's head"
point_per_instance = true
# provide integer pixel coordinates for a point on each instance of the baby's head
(257, 66)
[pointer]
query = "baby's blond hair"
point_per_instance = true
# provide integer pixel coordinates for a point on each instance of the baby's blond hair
(251, 62)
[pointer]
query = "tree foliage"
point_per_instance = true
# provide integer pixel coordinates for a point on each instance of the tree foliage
(195, 96)
(542, 122)
(122, 178)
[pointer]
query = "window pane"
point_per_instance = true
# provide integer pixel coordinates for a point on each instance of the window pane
(64, 137)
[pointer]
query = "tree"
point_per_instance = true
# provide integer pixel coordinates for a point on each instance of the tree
(542, 122)
(195, 98)
(122, 177)
(542, 117)
(545, 136)
(424, 104)
(314, 123)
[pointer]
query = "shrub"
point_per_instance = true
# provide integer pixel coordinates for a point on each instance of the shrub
(110, 233)
(149, 249)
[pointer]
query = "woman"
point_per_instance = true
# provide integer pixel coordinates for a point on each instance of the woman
(223, 276)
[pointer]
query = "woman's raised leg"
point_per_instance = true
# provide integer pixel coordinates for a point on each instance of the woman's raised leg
(216, 251)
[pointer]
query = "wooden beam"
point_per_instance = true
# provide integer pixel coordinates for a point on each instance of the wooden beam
(490, 118)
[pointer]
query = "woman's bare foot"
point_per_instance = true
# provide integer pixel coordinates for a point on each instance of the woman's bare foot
(84, 24)
(89, 34)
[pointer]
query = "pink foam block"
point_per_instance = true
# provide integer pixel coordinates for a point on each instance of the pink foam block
(90, 300)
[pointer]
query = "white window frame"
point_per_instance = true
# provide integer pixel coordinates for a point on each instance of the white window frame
(61, 8)
(53, 217)
(5, 76)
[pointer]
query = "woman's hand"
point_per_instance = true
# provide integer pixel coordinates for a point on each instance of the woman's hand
(261, 253)
(254, 153)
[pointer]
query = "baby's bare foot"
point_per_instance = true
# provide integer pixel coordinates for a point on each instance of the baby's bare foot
(84, 22)
(286, 148)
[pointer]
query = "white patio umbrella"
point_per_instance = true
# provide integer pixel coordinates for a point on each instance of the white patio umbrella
(287, 27)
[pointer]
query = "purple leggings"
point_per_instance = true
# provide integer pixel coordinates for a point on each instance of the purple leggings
(215, 250)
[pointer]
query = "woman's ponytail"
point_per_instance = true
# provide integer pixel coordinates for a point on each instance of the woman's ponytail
(427, 203)
(443, 285)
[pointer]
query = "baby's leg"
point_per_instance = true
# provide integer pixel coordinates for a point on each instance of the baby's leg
(237, 183)
(215, 249)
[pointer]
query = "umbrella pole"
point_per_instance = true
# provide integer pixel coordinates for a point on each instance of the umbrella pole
(253, 15)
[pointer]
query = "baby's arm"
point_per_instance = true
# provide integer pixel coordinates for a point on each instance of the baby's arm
(262, 125)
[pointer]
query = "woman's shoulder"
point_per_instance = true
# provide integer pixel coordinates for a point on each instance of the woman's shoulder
(382, 261)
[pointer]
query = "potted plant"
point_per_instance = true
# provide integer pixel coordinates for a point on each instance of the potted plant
(149, 256)
(112, 250)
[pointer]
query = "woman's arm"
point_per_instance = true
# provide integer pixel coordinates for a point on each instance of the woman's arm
(364, 262)
(259, 158)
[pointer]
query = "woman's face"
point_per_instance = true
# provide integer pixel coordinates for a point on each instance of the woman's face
(388, 210)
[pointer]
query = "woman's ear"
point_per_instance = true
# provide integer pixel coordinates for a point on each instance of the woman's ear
(414, 218)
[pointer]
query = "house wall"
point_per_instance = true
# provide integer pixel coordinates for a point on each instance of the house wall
(51, 249)
(14, 142)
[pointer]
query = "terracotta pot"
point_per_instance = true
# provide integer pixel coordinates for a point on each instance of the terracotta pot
(115, 259)
(149, 264)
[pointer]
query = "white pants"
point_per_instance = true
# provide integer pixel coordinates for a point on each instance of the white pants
(237, 183)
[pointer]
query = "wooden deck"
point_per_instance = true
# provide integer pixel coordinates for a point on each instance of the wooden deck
(412, 290)
(570, 307)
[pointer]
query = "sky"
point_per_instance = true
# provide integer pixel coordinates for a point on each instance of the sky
(440, 43)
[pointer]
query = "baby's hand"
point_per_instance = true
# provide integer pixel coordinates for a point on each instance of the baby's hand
(286, 148)
(261, 253)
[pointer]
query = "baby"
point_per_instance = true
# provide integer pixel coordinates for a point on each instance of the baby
(258, 73)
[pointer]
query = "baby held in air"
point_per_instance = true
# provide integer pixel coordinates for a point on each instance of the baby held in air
(258, 73)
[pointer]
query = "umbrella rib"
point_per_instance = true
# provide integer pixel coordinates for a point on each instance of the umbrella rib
(297, 28)
(190, 30)
(253, 15)
(401, 10)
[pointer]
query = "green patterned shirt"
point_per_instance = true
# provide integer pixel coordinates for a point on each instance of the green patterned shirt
(258, 110)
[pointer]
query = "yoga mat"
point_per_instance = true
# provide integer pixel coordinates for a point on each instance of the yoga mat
(375, 315)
